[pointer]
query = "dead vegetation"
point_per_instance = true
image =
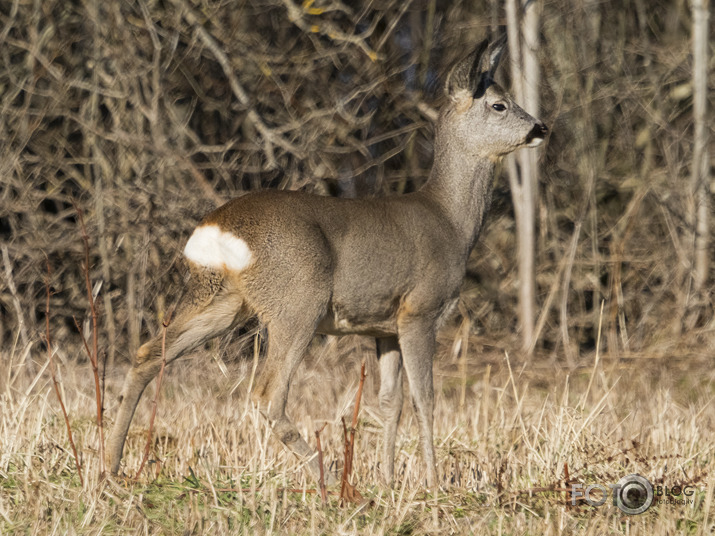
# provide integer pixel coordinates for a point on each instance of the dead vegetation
(147, 114)
(507, 458)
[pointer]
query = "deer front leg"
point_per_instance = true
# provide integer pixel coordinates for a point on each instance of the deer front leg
(388, 353)
(417, 341)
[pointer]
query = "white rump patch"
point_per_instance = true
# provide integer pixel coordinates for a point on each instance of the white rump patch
(211, 247)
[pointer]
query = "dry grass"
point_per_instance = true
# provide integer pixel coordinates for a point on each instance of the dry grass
(217, 470)
(128, 108)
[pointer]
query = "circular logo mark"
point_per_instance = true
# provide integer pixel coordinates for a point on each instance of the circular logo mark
(633, 494)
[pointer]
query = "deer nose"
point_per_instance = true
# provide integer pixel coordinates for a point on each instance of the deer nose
(537, 134)
(539, 131)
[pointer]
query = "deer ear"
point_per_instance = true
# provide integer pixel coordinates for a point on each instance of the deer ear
(463, 73)
(490, 60)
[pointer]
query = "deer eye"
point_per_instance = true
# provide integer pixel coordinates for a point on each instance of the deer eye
(499, 107)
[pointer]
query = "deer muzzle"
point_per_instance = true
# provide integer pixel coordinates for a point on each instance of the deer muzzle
(536, 135)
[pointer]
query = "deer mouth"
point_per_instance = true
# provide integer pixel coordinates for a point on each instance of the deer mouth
(536, 136)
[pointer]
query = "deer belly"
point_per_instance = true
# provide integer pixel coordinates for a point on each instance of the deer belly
(344, 321)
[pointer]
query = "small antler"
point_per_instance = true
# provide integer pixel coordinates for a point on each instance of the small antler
(475, 72)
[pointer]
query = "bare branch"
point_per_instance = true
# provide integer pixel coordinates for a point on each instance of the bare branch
(15, 297)
(94, 352)
(321, 481)
(53, 374)
(327, 28)
(348, 492)
(270, 138)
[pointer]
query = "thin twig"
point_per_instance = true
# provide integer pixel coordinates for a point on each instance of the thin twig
(323, 493)
(347, 455)
(147, 446)
(16, 302)
(565, 285)
(53, 374)
(94, 353)
(567, 481)
(270, 137)
(251, 490)
(347, 490)
(596, 360)
(330, 30)
(356, 411)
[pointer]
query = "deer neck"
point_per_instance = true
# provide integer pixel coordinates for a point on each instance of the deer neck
(461, 185)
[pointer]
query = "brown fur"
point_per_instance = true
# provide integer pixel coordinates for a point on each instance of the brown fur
(389, 268)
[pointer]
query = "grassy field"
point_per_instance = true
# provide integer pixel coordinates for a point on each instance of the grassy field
(506, 433)
(147, 115)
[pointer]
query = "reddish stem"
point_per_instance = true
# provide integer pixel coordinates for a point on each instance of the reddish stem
(54, 376)
(347, 490)
(323, 492)
(94, 353)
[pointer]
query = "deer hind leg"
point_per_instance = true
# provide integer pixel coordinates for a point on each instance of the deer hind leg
(417, 341)
(388, 353)
(201, 316)
(288, 340)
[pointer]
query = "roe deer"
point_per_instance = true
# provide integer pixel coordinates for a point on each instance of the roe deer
(387, 267)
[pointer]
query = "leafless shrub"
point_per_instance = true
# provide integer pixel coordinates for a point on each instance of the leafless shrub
(150, 113)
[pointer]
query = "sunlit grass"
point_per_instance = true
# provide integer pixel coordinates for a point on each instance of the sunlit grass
(502, 456)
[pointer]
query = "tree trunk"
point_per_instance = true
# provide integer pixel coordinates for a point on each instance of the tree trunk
(526, 76)
(700, 175)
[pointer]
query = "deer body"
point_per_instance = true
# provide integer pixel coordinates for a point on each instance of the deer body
(346, 243)
(387, 267)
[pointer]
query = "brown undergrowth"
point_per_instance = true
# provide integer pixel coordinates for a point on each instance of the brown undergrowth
(507, 457)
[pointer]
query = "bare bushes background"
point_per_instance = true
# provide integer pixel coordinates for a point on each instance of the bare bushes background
(150, 113)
